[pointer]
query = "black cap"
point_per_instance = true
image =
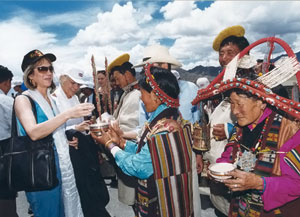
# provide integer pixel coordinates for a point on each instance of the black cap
(34, 56)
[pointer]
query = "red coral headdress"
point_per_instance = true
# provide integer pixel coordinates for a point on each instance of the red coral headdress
(165, 98)
(289, 106)
(260, 88)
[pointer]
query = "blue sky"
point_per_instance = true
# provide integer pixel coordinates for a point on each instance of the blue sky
(74, 30)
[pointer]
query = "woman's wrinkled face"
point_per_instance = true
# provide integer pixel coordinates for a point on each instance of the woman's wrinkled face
(70, 87)
(149, 100)
(42, 74)
(247, 110)
(227, 53)
(101, 79)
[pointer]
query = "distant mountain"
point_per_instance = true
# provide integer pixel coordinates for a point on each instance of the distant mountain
(199, 71)
(210, 71)
(277, 58)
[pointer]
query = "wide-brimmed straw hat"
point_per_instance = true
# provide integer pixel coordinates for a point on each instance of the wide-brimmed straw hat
(158, 54)
(118, 61)
(237, 31)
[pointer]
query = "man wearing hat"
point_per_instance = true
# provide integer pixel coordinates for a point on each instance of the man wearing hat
(86, 92)
(124, 75)
(228, 43)
(126, 115)
(7, 199)
(16, 85)
(160, 57)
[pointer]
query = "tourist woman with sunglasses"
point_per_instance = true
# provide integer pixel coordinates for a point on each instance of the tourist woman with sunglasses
(62, 200)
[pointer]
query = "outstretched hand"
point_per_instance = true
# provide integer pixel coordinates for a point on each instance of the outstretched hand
(242, 181)
(219, 132)
(103, 138)
(115, 137)
(82, 126)
(116, 128)
(80, 110)
(199, 163)
(107, 137)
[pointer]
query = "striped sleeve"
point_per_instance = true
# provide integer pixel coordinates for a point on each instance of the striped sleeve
(292, 158)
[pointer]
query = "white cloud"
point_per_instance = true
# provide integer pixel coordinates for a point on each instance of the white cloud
(17, 38)
(132, 26)
(195, 33)
(178, 9)
(119, 27)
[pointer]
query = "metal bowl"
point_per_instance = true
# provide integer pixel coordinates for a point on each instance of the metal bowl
(98, 127)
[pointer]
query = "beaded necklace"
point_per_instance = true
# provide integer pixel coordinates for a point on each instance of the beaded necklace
(257, 147)
(246, 159)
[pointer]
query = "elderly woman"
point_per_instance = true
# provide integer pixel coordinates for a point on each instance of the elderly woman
(65, 98)
(263, 184)
(84, 153)
(161, 160)
(63, 200)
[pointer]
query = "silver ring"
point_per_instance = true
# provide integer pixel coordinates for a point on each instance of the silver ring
(235, 186)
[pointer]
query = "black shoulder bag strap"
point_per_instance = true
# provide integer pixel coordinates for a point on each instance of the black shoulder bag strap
(14, 119)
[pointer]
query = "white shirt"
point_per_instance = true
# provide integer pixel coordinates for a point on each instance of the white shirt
(188, 91)
(6, 106)
(64, 103)
(127, 112)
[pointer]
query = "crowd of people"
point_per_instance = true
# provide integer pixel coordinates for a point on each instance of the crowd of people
(150, 140)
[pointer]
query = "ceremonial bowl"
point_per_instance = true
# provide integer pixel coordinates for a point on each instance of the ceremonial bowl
(219, 170)
(98, 127)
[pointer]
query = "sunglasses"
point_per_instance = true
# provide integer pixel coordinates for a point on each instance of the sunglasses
(44, 69)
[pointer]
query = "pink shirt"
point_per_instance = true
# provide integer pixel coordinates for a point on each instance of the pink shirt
(279, 190)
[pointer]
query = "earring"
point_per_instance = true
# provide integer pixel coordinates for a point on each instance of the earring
(33, 83)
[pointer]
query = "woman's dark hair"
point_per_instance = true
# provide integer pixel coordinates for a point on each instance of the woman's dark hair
(164, 79)
(102, 72)
(127, 66)
(242, 92)
(241, 42)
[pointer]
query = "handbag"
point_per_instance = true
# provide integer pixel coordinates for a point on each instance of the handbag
(30, 164)
(3, 169)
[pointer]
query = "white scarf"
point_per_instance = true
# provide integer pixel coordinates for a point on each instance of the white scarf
(70, 194)
(64, 103)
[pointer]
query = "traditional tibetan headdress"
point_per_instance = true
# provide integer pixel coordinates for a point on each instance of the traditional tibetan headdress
(285, 69)
(165, 98)
(255, 88)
